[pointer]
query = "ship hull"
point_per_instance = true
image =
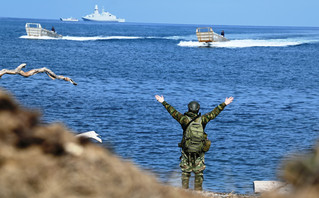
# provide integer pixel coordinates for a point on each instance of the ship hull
(101, 20)
(67, 19)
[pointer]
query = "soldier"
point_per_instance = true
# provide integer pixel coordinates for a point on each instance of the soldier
(194, 143)
(223, 33)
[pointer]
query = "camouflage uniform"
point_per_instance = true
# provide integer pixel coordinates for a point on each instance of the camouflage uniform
(192, 162)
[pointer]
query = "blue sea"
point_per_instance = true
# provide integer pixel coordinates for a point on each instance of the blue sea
(272, 73)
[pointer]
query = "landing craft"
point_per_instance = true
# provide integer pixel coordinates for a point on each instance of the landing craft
(208, 36)
(35, 30)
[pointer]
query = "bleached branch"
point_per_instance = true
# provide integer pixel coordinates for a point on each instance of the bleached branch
(51, 74)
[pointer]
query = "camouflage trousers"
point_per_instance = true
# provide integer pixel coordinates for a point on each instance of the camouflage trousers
(192, 162)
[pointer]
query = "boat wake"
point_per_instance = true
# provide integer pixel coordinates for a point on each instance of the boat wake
(96, 38)
(83, 38)
(246, 43)
(190, 41)
(101, 38)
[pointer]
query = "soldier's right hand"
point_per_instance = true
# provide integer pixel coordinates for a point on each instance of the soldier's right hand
(159, 98)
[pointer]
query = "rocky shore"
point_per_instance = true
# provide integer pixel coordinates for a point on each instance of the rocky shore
(224, 195)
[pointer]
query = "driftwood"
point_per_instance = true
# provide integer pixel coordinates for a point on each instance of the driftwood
(52, 75)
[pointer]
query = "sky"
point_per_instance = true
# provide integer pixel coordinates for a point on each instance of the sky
(212, 12)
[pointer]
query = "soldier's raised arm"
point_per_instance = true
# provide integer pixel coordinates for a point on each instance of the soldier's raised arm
(214, 113)
(171, 110)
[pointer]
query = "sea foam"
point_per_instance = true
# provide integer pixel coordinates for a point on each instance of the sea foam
(82, 38)
(243, 43)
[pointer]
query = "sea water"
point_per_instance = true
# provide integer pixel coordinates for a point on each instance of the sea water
(272, 72)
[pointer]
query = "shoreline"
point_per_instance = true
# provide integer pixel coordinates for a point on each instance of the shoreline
(221, 195)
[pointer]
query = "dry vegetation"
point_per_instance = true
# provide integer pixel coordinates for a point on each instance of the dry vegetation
(302, 173)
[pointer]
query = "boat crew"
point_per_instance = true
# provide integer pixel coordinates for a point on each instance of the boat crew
(222, 33)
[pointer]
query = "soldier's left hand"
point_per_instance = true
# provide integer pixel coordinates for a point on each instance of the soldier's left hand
(229, 100)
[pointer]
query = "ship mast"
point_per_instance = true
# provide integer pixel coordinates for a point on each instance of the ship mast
(96, 10)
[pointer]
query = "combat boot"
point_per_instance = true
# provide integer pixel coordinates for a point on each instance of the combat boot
(198, 182)
(185, 180)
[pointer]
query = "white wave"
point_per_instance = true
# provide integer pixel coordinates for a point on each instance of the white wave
(189, 37)
(95, 38)
(173, 37)
(82, 38)
(244, 43)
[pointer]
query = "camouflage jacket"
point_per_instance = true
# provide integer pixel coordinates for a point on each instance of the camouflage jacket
(183, 120)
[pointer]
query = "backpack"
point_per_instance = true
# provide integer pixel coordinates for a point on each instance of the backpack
(194, 138)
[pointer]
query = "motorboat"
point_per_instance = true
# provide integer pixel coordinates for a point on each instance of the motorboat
(36, 30)
(207, 35)
(102, 17)
(69, 19)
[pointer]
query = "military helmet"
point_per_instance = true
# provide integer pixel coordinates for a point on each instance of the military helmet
(193, 107)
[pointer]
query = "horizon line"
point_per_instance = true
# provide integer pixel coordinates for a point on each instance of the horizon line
(58, 19)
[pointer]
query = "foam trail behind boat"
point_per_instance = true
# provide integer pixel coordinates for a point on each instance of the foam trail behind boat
(245, 43)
